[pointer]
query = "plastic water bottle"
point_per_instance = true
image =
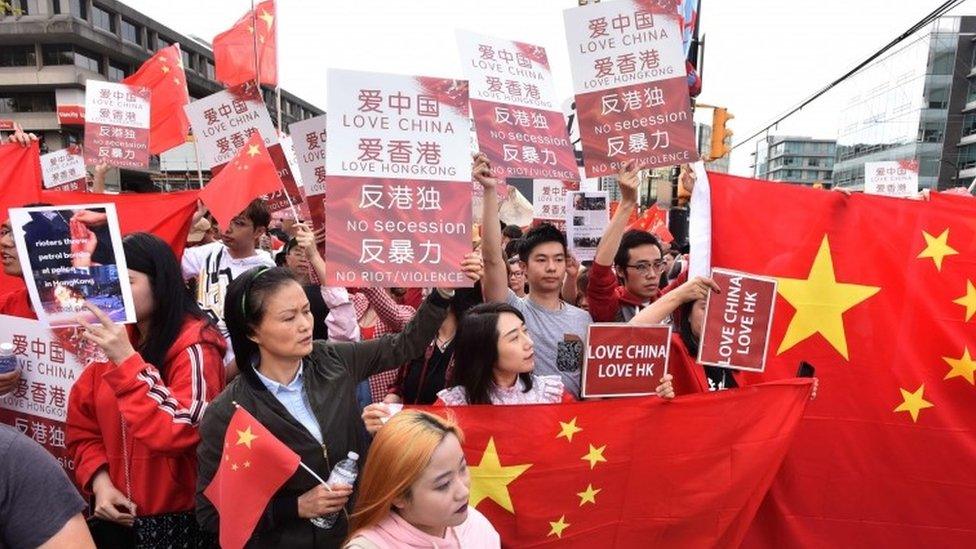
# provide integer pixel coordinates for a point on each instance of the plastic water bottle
(8, 360)
(344, 472)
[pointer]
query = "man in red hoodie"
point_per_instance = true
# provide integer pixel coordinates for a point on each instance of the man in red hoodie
(616, 293)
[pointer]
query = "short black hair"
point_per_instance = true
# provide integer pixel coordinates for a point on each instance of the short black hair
(537, 236)
(512, 248)
(512, 231)
(632, 239)
(259, 214)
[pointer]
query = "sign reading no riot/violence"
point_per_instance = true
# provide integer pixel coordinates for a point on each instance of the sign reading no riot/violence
(737, 321)
(631, 86)
(625, 359)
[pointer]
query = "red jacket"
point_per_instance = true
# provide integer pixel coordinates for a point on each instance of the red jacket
(606, 298)
(17, 303)
(161, 418)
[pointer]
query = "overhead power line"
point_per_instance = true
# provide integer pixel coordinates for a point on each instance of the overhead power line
(920, 24)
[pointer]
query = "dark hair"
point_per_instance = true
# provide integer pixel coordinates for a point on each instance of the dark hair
(259, 214)
(244, 308)
(632, 239)
(682, 316)
(513, 247)
(172, 303)
(476, 351)
(540, 235)
(512, 231)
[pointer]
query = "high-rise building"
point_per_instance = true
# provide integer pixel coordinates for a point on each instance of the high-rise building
(916, 103)
(800, 160)
(50, 48)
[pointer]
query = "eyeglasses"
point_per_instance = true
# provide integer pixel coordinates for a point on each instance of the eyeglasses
(646, 267)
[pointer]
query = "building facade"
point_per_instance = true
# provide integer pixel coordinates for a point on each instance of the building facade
(50, 48)
(916, 103)
(790, 159)
(703, 132)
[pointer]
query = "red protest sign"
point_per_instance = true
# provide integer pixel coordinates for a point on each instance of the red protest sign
(625, 359)
(117, 124)
(399, 186)
(737, 321)
(631, 85)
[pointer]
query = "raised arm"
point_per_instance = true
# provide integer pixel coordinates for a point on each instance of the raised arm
(610, 241)
(495, 281)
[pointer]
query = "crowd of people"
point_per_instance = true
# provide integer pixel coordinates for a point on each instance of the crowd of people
(241, 319)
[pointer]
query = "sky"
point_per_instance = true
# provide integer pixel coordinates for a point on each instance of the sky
(762, 57)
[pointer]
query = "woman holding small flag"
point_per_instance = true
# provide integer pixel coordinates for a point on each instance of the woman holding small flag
(303, 392)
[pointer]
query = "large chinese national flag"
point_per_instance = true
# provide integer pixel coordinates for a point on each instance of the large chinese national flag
(877, 293)
(163, 74)
(640, 472)
(234, 49)
(253, 466)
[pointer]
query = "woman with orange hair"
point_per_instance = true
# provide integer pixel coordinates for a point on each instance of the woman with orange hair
(414, 489)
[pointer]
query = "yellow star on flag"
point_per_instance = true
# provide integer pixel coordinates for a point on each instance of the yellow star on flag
(567, 430)
(963, 367)
(969, 300)
(165, 69)
(250, 29)
(267, 18)
(820, 302)
(245, 437)
(176, 81)
(913, 402)
(558, 527)
(595, 455)
(253, 150)
(588, 496)
(247, 464)
(937, 248)
(489, 479)
(233, 466)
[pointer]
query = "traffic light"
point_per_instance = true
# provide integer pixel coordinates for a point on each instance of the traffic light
(721, 136)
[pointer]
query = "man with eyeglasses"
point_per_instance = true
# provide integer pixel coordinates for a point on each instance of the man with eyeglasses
(626, 272)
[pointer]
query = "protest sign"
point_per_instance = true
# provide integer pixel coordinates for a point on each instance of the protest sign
(587, 217)
(516, 115)
(71, 255)
(549, 199)
(897, 178)
(399, 180)
(625, 359)
(735, 333)
(116, 124)
(50, 360)
(222, 124)
(631, 89)
(308, 138)
(64, 170)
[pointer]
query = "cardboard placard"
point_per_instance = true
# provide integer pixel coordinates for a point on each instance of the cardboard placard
(737, 322)
(625, 359)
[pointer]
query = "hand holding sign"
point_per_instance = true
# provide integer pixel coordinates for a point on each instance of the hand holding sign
(481, 172)
(473, 266)
(111, 337)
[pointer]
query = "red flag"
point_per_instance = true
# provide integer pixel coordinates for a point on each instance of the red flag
(877, 294)
(20, 183)
(166, 215)
(252, 468)
(163, 74)
(655, 221)
(234, 49)
(640, 472)
(251, 174)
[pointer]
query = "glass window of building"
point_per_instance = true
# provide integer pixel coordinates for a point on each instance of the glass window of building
(18, 56)
(969, 123)
(79, 8)
(26, 102)
(58, 54)
(208, 68)
(27, 7)
(103, 18)
(967, 156)
(162, 43)
(131, 32)
(88, 60)
(187, 60)
(117, 71)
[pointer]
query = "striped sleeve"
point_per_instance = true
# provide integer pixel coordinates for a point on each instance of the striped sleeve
(164, 414)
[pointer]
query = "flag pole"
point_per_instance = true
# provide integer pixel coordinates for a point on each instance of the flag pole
(196, 154)
(254, 39)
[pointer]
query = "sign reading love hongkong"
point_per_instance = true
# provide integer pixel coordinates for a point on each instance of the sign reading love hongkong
(625, 359)
(737, 321)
